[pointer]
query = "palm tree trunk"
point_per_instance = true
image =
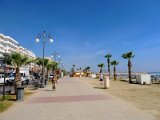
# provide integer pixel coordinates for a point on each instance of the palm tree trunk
(55, 74)
(129, 70)
(47, 75)
(17, 79)
(109, 68)
(114, 69)
(101, 70)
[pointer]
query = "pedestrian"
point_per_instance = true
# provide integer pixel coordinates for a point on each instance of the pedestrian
(54, 81)
(101, 78)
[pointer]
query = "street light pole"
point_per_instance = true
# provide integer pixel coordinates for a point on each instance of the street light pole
(4, 67)
(44, 36)
(43, 69)
(55, 54)
(4, 79)
(59, 62)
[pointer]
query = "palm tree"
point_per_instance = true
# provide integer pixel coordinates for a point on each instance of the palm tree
(86, 69)
(108, 56)
(101, 65)
(73, 67)
(39, 61)
(16, 59)
(129, 56)
(54, 67)
(48, 66)
(51, 65)
(114, 63)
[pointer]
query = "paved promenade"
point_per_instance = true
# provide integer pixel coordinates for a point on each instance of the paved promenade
(73, 100)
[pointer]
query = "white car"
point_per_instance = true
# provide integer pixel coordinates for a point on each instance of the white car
(2, 79)
(10, 80)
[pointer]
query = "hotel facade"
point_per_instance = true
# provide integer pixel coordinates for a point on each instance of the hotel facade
(9, 45)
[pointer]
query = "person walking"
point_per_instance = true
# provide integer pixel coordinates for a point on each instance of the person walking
(54, 81)
(101, 78)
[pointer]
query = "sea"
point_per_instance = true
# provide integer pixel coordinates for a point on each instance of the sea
(154, 74)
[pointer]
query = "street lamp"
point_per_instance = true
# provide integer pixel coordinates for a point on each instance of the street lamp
(59, 60)
(59, 65)
(54, 56)
(44, 36)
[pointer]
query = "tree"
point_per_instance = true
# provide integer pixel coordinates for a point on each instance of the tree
(54, 67)
(101, 65)
(39, 61)
(108, 56)
(73, 67)
(87, 69)
(16, 59)
(48, 66)
(114, 63)
(129, 56)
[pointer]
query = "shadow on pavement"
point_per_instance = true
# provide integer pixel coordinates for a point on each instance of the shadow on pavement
(48, 90)
(99, 87)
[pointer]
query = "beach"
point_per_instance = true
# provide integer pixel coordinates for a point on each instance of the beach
(143, 97)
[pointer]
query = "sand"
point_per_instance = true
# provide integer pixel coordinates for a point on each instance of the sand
(144, 97)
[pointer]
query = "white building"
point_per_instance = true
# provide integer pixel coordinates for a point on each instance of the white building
(9, 45)
(25, 51)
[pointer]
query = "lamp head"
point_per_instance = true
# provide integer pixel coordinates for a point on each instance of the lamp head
(51, 40)
(37, 40)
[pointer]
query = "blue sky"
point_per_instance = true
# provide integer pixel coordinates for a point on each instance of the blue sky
(85, 30)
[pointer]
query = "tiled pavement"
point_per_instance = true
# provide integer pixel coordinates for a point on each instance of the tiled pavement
(73, 100)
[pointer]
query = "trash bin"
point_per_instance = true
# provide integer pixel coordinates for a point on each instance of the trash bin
(20, 93)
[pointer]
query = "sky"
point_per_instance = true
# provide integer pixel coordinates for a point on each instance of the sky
(84, 31)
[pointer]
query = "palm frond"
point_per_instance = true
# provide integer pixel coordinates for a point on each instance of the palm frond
(114, 62)
(128, 55)
(108, 56)
(100, 65)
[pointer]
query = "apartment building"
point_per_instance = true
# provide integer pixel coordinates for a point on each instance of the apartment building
(9, 45)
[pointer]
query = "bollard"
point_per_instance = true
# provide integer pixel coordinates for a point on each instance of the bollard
(107, 82)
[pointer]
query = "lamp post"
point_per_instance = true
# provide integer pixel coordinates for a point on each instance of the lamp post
(59, 60)
(44, 36)
(55, 55)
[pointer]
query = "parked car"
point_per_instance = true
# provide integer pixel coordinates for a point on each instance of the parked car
(2, 79)
(11, 78)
